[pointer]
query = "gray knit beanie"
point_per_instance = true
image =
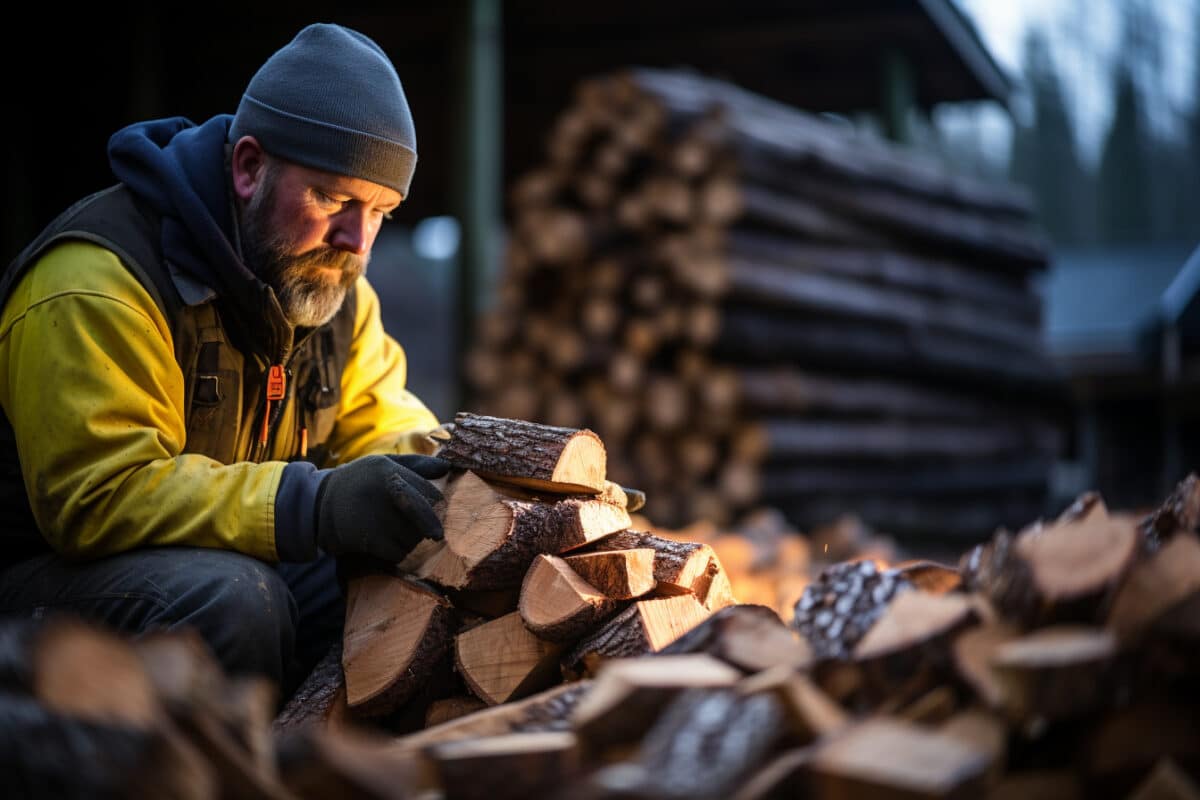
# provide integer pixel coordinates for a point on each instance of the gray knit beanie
(331, 100)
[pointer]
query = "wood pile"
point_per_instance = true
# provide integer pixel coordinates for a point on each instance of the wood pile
(1058, 661)
(540, 578)
(754, 305)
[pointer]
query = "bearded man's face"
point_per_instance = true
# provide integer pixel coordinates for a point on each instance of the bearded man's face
(308, 235)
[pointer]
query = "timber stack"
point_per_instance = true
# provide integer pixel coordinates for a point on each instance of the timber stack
(754, 305)
(1058, 661)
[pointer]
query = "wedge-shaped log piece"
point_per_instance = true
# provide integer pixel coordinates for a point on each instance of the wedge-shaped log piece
(617, 574)
(1163, 581)
(1062, 572)
(888, 758)
(542, 457)
(507, 767)
(396, 632)
(318, 763)
(492, 537)
(629, 694)
(1057, 672)
(647, 626)
(986, 732)
(750, 637)
(929, 576)
(558, 605)
(679, 567)
(549, 710)
(811, 713)
(1179, 512)
(320, 700)
(501, 660)
(838, 608)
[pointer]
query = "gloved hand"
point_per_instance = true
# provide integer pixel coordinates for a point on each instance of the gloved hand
(379, 506)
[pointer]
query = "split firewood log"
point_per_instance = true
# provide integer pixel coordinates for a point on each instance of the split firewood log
(647, 626)
(501, 660)
(913, 636)
(629, 694)
(1165, 580)
(509, 766)
(679, 567)
(617, 574)
(888, 758)
(321, 698)
(750, 637)
(973, 653)
(704, 745)
(558, 605)
(1057, 672)
(549, 710)
(1179, 512)
(541, 457)
(397, 630)
(491, 537)
(1066, 571)
(318, 763)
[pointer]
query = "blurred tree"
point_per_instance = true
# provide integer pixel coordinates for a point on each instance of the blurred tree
(1128, 194)
(1045, 154)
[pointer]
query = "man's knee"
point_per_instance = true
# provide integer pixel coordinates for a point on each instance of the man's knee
(241, 607)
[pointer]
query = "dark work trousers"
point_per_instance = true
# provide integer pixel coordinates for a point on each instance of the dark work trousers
(258, 618)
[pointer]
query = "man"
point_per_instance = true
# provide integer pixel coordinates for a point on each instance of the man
(200, 404)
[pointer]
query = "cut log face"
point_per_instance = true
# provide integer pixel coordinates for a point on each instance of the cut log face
(914, 620)
(492, 538)
(501, 660)
(542, 457)
(515, 765)
(1167, 579)
(888, 758)
(629, 694)
(679, 567)
(1079, 558)
(930, 576)
(1057, 672)
(451, 708)
(617, 574)
(396, 631)
(645, 627)
(557, 604)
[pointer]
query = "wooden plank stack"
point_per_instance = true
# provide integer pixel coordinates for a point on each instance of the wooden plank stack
(753, 304)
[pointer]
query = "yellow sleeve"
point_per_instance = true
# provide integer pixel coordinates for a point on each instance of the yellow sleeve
(89, 382)
(377, 414)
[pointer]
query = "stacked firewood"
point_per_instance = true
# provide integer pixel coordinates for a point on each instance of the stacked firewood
(751, 304)
(1058, 661)
(539, 579)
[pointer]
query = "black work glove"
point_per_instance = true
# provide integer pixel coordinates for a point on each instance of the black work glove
(379, 506)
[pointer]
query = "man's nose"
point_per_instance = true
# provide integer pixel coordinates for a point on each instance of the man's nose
(352, 232)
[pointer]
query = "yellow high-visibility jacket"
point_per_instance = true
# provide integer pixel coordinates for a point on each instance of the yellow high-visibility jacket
(96, 399)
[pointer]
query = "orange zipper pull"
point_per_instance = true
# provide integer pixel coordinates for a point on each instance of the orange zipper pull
(276, 387)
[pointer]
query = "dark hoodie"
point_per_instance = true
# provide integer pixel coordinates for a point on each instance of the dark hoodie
(179, 169)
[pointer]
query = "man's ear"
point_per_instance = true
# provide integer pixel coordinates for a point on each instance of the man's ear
(248, 167)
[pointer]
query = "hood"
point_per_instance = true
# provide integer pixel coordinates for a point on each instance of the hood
(178, 168)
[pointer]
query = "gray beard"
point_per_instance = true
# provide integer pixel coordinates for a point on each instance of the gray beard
(306, 300)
